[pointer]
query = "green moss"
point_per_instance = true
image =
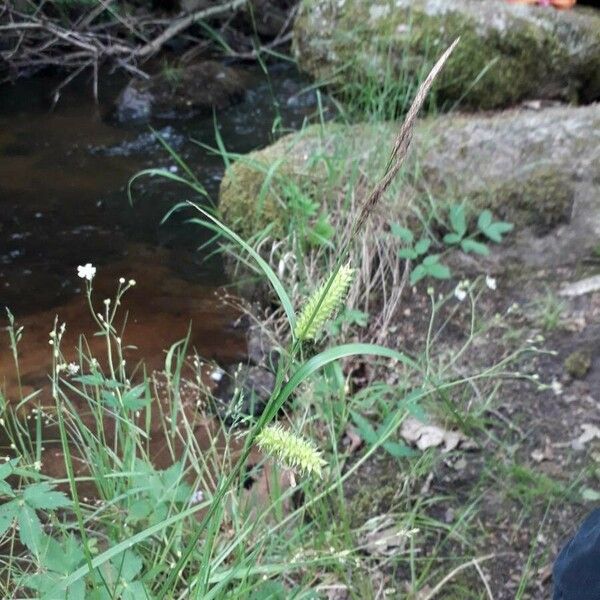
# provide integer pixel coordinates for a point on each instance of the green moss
(493, 66)
(248, 200)
(257, 190)
(578, 363)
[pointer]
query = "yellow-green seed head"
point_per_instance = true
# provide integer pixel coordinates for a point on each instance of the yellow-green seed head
(290, 450)
(323, 303)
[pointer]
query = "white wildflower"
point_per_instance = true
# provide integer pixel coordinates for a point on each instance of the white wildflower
(87, 271)
(460, 291)
(197, 497)
(556, 387)
(132, 282)
(72, 368)
(490, 282)
(121, 280)
(216, 375)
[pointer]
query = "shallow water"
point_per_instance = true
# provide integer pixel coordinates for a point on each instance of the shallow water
(63, 202)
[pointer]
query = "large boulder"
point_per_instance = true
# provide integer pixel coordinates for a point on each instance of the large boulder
(507, 52)
(539, 169)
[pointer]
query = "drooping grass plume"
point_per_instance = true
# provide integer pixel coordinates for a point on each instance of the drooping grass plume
(323, 303)
(291, 450)
(402, 143)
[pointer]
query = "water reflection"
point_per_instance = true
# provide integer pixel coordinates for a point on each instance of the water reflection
(63, 176)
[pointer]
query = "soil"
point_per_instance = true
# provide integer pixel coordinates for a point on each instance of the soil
(528, 474)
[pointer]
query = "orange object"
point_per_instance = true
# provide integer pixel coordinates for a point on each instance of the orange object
(560, 4)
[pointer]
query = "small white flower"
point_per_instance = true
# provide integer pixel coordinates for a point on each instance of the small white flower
(197, 497)
(490, 282)
(132, 282)
(216, 375)
(121, 280)
(37, 465)
(107, 301)
(460, 293)
(72, 369)
(87, 271)
(556, 387)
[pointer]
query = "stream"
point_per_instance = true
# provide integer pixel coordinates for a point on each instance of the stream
(63, 203)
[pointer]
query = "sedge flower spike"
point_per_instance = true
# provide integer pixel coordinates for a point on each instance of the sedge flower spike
(323, 303)
(290, 450)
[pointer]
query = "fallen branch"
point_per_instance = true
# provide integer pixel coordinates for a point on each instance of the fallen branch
(180, 25)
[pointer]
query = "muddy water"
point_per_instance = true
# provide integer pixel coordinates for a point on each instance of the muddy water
(63, 176)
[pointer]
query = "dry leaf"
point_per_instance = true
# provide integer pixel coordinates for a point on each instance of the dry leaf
(590, 432)
(382, 536)
(430, 436)
(352, 441)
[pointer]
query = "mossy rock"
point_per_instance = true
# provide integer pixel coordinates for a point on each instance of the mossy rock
(256, 191)
(533, 168)
(578, 363)
(506, 53)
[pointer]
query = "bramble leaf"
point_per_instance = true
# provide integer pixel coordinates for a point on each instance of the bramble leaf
(458, 220)
(475, 247)
(42, 497)
(402, 233)
(422, 246)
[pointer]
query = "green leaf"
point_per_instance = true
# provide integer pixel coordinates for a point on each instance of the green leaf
(286, 303)
(8, 468)
(8, 513)
(30, 529)
(475, 247)
(140, 509)
(330, 355)
(422, 246)
(418, 273)
(495, 231)
(128, 565)
(365, 430)
(135, 591)
(452, 238)
(438, 271)
(132, 399)
(432, 259)
(485, 220)
(399, 450)
(457, 219)
(407, 253)
(41, 496)
(270, 590)
(5, 489)
(406, 235)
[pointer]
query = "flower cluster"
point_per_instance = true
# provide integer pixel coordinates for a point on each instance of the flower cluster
(323, 303)
(290, 450)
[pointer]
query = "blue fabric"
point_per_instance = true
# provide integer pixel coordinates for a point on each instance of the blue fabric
(576, 571)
